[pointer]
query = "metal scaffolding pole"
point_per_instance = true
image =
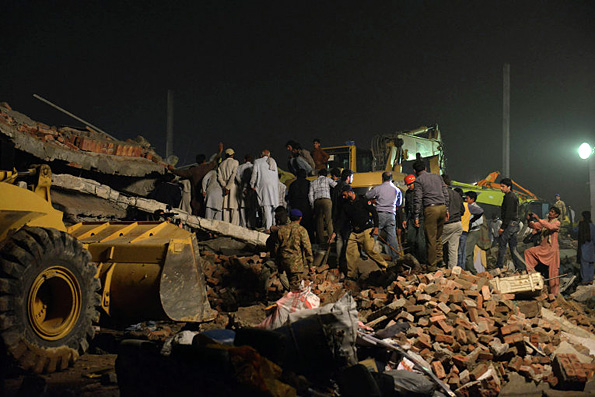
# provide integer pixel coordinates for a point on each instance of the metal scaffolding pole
(72, 115)
(506, 122)
(169, 136)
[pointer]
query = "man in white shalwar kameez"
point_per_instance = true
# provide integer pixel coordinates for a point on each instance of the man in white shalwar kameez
(226, 176)
(213, 196)
(266, 184)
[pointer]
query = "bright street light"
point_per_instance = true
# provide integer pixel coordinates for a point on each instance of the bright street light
(584, 151)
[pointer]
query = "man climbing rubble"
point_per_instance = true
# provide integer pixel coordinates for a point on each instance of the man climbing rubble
(362, 216)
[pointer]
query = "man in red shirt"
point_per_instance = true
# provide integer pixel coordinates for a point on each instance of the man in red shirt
(320, 156)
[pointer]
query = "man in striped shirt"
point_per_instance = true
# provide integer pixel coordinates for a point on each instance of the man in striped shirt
(320, 199)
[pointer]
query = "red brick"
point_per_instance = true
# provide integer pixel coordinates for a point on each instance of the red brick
(443, 297)
(438, 369)
(513, 338)
(485, 291)
(460, 361)
(490, 307)
(479, 301)
(460, 335)
(457, 296)
(485, 356)
(423, 298)
(516, 363)
(440, 317)
(433, 330)
(464, 323)
(414, 308)
(478, 371)
(448, 339)
(424, 342)
(445, 327)
(473, 315)
(509, 329)
(442, 306)
(468, 303)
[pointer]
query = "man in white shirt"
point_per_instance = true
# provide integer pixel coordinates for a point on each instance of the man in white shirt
(265, 182)
(388, 197)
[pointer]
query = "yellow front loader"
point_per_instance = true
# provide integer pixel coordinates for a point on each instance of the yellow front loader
(55, 281)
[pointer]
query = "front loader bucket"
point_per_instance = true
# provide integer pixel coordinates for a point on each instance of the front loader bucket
(148, 270)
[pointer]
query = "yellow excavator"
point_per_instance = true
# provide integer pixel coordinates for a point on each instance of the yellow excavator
(390, 152)
(55, 281)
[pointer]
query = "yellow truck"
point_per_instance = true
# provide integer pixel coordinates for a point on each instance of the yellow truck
(55, 282)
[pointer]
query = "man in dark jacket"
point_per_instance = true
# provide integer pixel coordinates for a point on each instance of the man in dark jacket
(336, 197)
(510, 226)
(298, 199)
(453, 228)
(362, 216)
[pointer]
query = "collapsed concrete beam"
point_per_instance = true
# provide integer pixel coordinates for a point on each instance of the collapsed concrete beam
(49, 144)
(89, 186)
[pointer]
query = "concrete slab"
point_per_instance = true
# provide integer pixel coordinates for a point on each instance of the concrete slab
(49, 144)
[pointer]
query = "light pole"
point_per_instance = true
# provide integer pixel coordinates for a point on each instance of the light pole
(586, 152)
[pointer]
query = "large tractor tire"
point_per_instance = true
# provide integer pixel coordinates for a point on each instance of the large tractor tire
(49, 299)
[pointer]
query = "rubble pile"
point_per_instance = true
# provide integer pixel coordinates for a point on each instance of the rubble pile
(473, 336)
(234, 281)
(460, 325)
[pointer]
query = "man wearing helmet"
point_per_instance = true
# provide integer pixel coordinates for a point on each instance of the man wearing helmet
(415, 235)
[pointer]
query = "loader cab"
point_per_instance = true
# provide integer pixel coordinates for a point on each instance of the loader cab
(350, 156)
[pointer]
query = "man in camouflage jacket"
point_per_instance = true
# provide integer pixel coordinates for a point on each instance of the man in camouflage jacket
(293, 249)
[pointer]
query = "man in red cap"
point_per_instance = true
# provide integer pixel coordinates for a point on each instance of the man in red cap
(415, 236)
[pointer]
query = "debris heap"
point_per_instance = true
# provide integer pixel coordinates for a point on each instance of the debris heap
(458, 322)
(460, 325)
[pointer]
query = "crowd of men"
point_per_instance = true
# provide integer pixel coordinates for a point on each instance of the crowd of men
(442, 225)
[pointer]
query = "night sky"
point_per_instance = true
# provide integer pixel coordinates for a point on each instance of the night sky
(255, 74)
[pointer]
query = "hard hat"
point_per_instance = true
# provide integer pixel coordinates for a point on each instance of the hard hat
(409, 179)
(229, 152)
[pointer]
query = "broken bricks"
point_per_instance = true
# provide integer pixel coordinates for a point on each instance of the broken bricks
(467, 331)
(477, 325)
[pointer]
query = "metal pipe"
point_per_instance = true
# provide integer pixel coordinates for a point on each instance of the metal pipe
(72, 115)
(169, 135)
(506, 122)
